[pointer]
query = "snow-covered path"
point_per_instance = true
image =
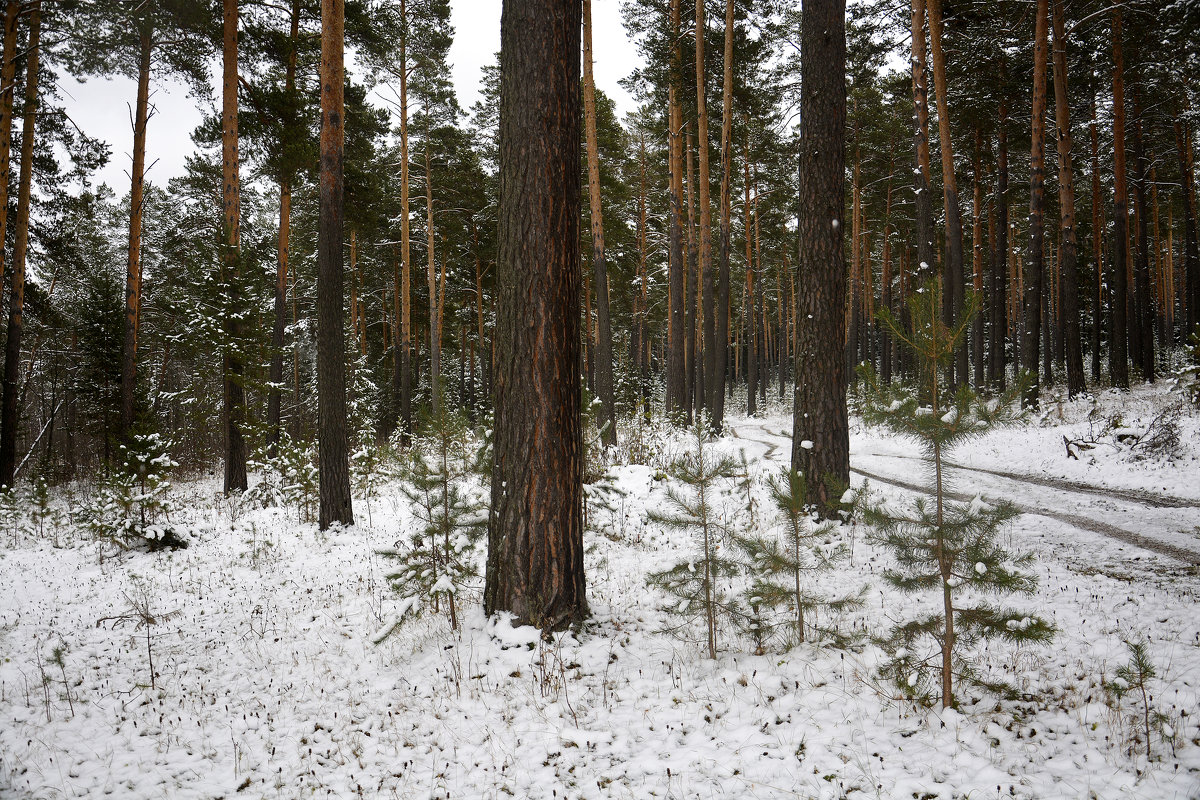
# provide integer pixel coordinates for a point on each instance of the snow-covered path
(1162, 524)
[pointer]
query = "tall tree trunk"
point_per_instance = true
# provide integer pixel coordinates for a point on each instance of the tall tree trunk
(691, 296)
(1097, 280)
(1183, 143)
(1118, 342)
(952, 265)
(749, 308)
(9, 413)
(1031, 335)
(8, 71)
(643, 315)
(1143, 320)
(706, 260)
(133, 272)
(922, 174)
(718, 351)
(535, 531)
(274, 411)
(997, 366)
(403, 383)
(885, 283)
(676, 378)
(333, 449)
(604, 357)
(977, 262)
(1069, 311)
(820, 426)
(435, 321)
(235, 393)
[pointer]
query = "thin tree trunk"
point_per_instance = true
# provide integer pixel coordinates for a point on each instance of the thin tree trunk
(952, 265)
(405, 383)
(333, 450)
(642, 321)
(604, 358)
(691, 296)
(8, 71)
(820, 426)
(235, 404)
(535, 531)
(922, 174)
(1118, 353)
(1031, 335)
(9, 413)
(997, 366)
(274, 410)
(749, 315)
(718, 363)
(977, 262)
(133, 273)
(1143, 320)
(1069, 312)
(706, 260)
(1183, 143)
(1097, 250)
(676, 379)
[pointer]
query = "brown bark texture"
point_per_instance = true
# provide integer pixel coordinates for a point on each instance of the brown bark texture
(1118, 340)
(535, 529)
(1031, 334)
(333, 460)
(1067, 254)
(820, 427)
(9, 412)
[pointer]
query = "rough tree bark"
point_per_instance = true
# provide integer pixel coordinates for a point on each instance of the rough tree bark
(820, 427)
(1067, 257)
(718, 352)
(706, 260)
(1031, 336)
(9, 413)
(333, 451)
(535, 530)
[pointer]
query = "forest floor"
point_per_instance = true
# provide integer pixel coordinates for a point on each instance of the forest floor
(266, 682)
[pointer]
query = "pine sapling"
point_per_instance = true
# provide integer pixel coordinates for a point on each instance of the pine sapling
(946, 547)
(442, 555)
(783, 564)
(1136, 676)
(699, 583)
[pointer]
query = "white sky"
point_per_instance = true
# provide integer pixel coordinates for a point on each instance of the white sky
(102, 107)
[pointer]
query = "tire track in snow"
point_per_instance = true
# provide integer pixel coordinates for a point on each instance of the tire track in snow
(1186, 555)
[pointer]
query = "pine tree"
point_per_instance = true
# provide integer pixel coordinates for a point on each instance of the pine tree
(700, 584)
(782, 564)
(442, 557)
(939, 545)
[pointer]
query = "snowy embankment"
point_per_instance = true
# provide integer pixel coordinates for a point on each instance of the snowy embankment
(266, 682)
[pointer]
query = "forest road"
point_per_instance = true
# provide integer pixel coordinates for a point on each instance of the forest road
(1169, 526)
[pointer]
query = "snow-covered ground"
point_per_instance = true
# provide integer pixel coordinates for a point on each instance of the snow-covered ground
(267, 684)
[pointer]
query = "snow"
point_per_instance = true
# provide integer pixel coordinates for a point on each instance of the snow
(268, 684)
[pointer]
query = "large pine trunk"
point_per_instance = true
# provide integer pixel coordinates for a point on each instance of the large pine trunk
(718, 357)
(133, 271)
(435, 316)
(952, 265)
(1067, 254)
(820, 427)
(705, 243)
(1031, 334)
(1118, 340)
(333, 450)
(535, 529)
(9, 412)
(8, 71)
